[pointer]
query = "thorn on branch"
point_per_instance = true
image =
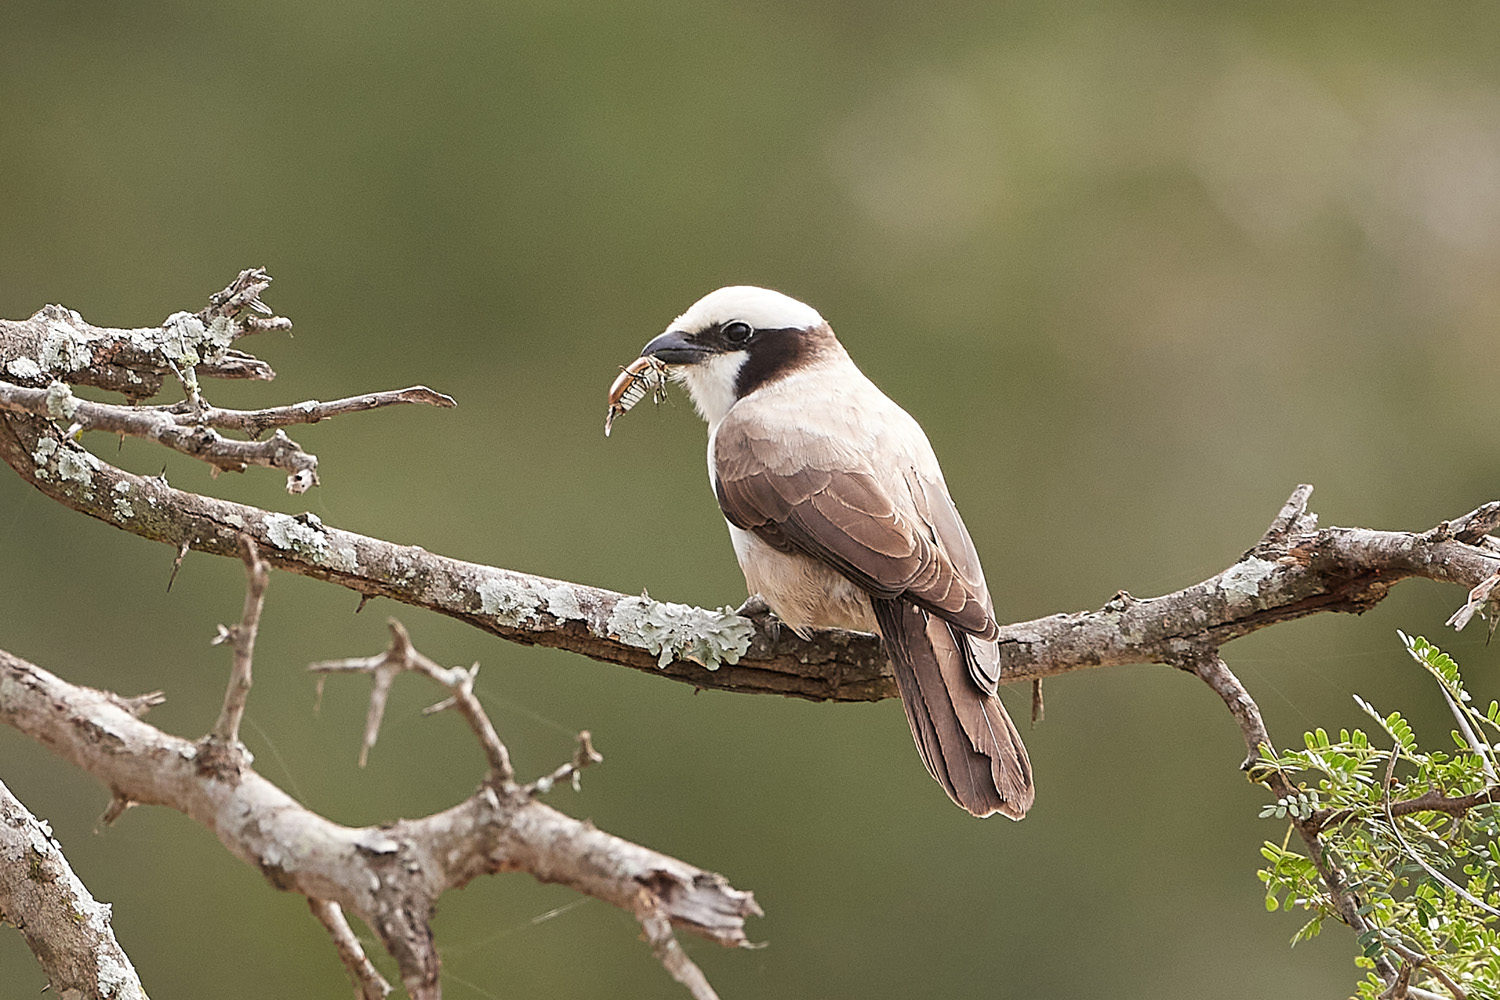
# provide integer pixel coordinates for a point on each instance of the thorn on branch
(117, 805)
(140, 704)
(182, 552)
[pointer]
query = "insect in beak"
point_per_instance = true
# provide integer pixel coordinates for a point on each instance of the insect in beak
(641, 376)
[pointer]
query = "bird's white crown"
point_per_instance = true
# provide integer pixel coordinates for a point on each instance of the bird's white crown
(762, 308)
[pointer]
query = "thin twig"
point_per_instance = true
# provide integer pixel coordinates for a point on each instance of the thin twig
(1390, 818)
(369, 984)
(658, 933)
(257, 422)
(584, 756)
(184, 435)
(1430, 801)
(241, 638)
(1210, 667)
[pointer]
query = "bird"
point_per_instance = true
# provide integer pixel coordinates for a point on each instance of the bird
(840, 518)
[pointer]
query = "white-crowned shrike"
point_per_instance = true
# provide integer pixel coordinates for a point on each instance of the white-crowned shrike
(840, 518)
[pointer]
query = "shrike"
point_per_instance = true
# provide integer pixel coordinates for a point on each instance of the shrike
(840, 518)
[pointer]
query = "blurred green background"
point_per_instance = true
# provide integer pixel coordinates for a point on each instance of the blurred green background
(1138, 268)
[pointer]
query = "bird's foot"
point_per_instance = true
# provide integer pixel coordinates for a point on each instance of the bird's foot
(755, 606)
(757, 610)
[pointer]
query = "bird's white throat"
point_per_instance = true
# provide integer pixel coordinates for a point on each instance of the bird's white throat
(711, 384)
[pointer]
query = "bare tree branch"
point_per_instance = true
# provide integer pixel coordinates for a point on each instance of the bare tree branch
(1290, 574)
(390, 876)
(56, 344)
(257, 422)
(241, 639)
(369, 984)
(190, 430)
(65, 928)
(1296, 569)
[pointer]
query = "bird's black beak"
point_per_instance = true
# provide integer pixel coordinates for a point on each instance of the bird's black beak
(674, 348)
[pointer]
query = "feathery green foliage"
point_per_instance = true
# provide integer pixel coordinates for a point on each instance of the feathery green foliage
(1413, 833)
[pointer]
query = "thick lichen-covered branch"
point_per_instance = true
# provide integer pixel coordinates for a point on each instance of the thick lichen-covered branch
(56, 344)
(64, 926)
(1294, 571)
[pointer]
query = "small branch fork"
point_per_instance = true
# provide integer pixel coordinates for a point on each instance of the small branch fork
(402, 656)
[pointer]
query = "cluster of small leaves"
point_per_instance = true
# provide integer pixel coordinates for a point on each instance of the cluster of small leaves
(1300, 806)
(1426, 882)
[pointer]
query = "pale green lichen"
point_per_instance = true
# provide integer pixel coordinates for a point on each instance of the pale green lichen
(24, 369)
(65, 348)
(1242, 583)
(123, 510)
(510, 603)
(76, 465)
(304, 535)
(562, 602)
(515, 602)
(681, 632)
(45, 447)
(61, 403)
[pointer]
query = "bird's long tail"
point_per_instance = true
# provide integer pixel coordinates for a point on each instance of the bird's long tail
(963, 733)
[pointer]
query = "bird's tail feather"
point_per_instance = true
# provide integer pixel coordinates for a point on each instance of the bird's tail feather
(963, 734)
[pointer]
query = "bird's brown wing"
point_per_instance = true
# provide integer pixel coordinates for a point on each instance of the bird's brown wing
(889, 544)
(896, 534)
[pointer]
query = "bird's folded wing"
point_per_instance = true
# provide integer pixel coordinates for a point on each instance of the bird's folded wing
(893, 532)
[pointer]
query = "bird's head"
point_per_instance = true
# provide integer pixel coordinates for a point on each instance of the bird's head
(735, 340)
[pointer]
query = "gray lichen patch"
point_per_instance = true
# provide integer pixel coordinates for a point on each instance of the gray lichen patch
(65, 347)
(1243, 583)
(510, 602)
(304, 534)
(63, 461)
(681, 632)
(344, 557)
(61, 403)
(45, 448)
(24, 369)
(185, 338)
(516, 601)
